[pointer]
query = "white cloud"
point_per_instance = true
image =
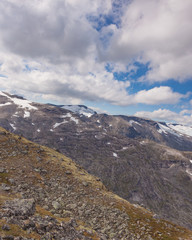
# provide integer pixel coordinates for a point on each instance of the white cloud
(69, 84)
(184, 117)
(158, 95)
(158, 32)
(52, 30)
(63, 82)
(50, 49)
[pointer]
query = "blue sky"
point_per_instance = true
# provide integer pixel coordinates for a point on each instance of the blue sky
(119, 56)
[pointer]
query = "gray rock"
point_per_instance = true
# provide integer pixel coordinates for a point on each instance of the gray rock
(8, 238)
(19, 207)
(67, 213)
(56, 205)
(2, 170)
(6, 227)
(72, 206)
(12, 181)
(85, 184)
(5, 187)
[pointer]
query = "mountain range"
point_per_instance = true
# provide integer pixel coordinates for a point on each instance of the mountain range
(146, 162)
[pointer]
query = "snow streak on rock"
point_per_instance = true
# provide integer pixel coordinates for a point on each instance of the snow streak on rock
(80, 109)
(182, 129)
(22, 103)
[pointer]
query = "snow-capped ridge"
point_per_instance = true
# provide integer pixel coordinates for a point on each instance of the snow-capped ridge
(80, 109)
(187, 130)
(175, 129)
(19, 101)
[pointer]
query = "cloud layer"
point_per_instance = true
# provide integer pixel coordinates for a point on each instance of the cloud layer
(158, 32)
(59, 49)
(184, 117)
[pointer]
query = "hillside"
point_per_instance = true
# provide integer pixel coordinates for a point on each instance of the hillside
(44, 195)
(132, 156)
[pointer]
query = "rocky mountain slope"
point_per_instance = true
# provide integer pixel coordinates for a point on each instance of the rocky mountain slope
(15, 110)
(132, 156)
(44, 195)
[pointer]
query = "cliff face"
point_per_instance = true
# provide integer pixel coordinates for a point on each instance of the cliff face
(132, 156)
(44, 195)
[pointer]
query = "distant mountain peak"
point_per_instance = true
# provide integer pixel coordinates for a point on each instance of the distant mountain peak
(78, 109)
(19, 101)
(175, 129)
(11, 95)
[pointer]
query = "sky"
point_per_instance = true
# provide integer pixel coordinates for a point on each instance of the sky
(129, 57)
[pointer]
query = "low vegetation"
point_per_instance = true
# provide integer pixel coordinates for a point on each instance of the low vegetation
(45, 195)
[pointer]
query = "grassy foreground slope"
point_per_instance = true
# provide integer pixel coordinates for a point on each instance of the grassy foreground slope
(45, 195)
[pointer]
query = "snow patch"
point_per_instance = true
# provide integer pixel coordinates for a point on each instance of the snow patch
(75, 120)
(143, 142)
(132, 121)
(26, 114)
(58, 124)
(124, 148)
(13, 126)
(86, 114)
(160, 130)
(68, 115)
(115, 155)
(3, 94)
(22, 103)
(108, 143)
(15, 115)
(5, 104)
(190, 161)
(189, 172)
(51, 130)
(79, 109)
(164, 129)
(182, 129)
(177, 130)
(38, 130)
